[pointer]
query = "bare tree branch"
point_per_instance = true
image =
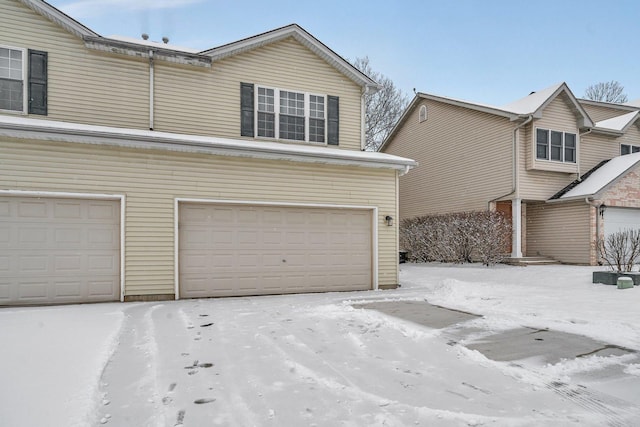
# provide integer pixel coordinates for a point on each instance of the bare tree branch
(383, 108)
(607, 92)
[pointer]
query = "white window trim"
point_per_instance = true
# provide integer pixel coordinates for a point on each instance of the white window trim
(631, 147)
(24, 80)
(422, 114)
(548, 159)
(276, 108)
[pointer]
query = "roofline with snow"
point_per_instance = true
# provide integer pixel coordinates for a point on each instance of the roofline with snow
(46, 130)
(460, 103)
(306, 39)
(602, 189)
(123, 47)
(586, 121)
(625, 107)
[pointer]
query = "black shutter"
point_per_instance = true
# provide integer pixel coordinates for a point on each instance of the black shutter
(37, 85)
(333, 116)
(246, 109)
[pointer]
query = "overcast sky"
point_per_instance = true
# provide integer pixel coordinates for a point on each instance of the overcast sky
(488, 51)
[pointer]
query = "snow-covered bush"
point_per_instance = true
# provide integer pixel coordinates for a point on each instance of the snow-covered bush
(457, 237)
(620, 250)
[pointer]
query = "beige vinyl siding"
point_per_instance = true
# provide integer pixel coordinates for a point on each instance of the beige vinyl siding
(464, 157)
(151, 180)
(83, 86)
(92, 87)
(539, 180)
(560, 231)
(631, 137)
(599, 113)
(596, 148)
(208, 102)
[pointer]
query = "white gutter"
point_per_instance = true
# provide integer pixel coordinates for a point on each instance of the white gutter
(514, 171)
(27, 128)
(151, 88)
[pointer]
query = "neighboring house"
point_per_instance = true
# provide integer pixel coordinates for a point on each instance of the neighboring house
(133, 170)
(540, 160)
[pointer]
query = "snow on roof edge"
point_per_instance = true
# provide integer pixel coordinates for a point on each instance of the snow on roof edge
(602, 177)
(267, 148)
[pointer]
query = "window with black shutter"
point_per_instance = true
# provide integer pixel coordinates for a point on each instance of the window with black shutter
(37, 85)
(276, 113)
(246, 109)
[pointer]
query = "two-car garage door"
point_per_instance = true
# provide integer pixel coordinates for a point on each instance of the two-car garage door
(230, 250)
(619, 219)
(59, 250)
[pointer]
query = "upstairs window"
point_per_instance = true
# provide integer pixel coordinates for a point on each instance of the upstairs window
(628, 149)
(12, 77)
(23, 80)
(556, 146)
(290, 115)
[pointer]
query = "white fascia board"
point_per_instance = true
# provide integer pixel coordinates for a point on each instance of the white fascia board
(123, 47)
(26, 128)
(58, 17)
(305, 39)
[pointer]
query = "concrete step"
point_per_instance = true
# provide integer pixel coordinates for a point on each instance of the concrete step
(535, 260)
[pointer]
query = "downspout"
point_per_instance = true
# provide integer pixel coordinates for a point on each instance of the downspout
(363, 116)
(151, 86)
(514, 172)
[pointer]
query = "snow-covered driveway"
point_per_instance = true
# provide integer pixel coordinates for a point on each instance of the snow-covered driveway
(316, 360)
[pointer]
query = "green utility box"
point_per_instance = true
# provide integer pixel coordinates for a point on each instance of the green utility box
(625, 282)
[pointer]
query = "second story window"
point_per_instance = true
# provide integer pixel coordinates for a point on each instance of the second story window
(556, 146)
(23, 80)
(628, 149)
(267, 112)
(290, 115)
(11, 79)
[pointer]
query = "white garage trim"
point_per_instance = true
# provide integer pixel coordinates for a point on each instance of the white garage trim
(53, 194)
(374, 227)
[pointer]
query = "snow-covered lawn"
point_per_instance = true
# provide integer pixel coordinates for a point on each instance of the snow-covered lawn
(316, 360)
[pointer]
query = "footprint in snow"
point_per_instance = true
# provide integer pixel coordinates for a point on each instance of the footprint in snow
(206, 325)
(204, 400)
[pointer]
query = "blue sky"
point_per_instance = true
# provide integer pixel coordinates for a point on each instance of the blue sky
(488, 51)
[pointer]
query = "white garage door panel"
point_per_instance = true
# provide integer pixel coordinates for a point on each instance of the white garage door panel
(251, 250)
(55, 250)
(618, 219)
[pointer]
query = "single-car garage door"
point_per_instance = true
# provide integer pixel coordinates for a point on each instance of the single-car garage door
(55, 250)
(229, 250)
(618, 219)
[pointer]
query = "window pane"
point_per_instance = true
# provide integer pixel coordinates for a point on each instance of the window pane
(266, 125)
(635, 149)
(316, 130)
(625, 149)
(266, 100)
(542, 144)
(316, 107)
(556, 153)
(570, 140)
(11, 95)
(291, 127)
(292, 103)
(570, 154)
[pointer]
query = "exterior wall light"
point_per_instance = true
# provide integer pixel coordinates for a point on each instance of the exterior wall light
(601, 210)
(389, 220)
